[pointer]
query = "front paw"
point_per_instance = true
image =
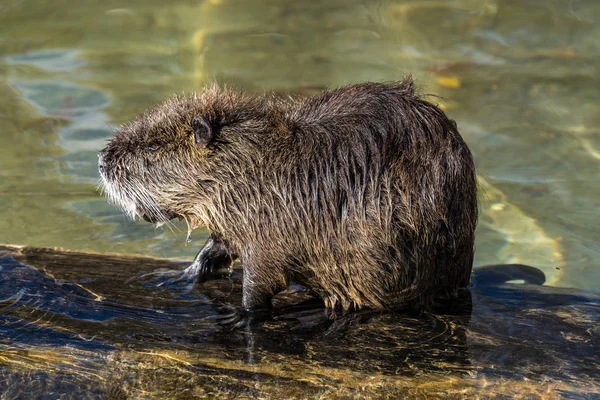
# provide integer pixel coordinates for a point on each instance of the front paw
(198, 271)
(165, 278)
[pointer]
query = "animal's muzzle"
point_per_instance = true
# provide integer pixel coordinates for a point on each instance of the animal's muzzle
(102, 165)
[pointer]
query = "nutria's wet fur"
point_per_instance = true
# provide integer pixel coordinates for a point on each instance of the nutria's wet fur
(365, 194)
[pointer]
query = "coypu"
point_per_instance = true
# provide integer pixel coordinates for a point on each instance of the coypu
(364, 194)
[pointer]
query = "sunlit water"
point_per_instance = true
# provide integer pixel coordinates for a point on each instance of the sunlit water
(519, 77)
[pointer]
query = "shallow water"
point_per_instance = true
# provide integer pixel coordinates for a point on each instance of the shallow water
(519, 77)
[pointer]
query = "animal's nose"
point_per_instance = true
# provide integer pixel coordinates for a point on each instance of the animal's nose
(101, 161)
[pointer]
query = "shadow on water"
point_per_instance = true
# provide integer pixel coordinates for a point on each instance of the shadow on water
(109, 326)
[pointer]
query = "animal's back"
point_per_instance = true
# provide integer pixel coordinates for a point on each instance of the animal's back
(385, 193)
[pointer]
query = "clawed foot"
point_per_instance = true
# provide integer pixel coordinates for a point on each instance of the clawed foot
(311, 315)
(231, 318)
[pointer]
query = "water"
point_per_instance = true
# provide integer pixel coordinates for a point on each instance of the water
(519, 77)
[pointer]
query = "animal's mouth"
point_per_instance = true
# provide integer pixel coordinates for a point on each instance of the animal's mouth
(163, 217)
(135, 200)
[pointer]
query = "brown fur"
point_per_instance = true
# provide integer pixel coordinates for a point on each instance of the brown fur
(365, 194)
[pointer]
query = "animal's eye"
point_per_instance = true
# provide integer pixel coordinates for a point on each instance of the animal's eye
(154, 146)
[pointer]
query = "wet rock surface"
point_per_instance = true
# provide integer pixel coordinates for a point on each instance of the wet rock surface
(86, 325)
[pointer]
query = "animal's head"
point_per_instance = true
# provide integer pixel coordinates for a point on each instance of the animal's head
(164, 163)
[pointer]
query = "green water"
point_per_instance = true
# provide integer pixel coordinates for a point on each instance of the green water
(519, 77)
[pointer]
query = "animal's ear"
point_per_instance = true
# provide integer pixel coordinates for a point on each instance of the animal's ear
(203, 132)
